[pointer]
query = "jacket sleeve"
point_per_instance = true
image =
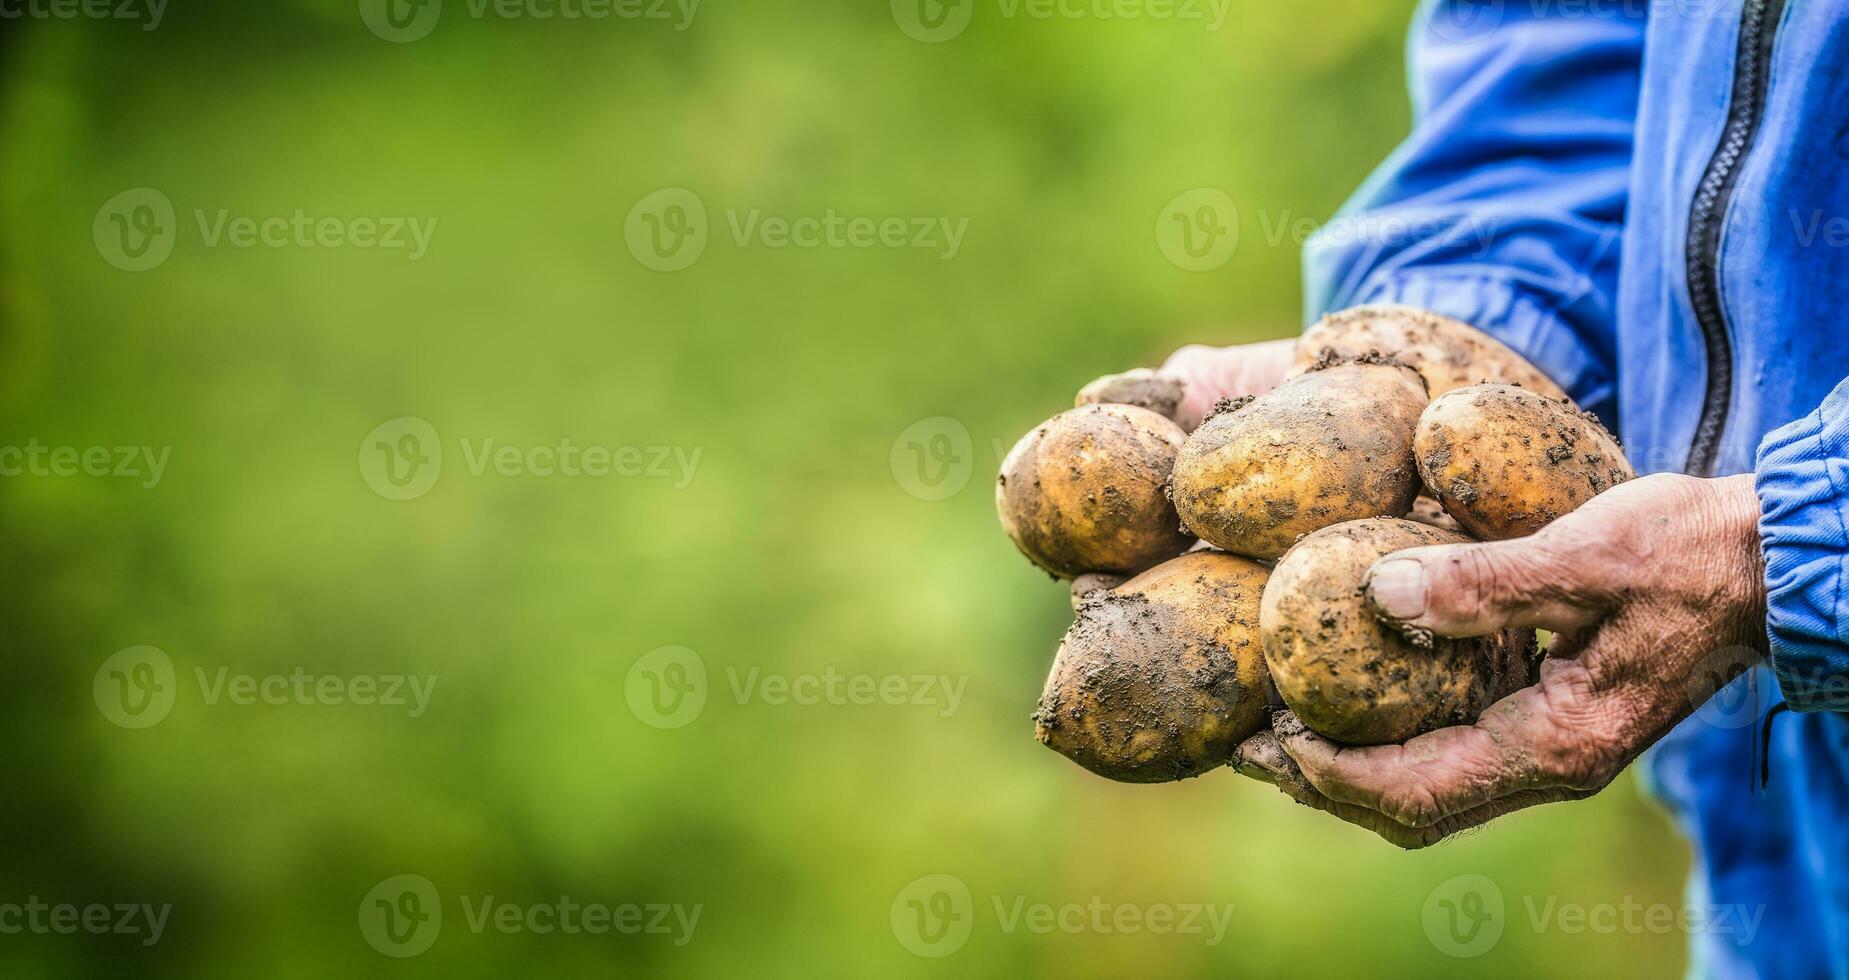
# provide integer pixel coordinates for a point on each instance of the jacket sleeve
(1803, 482)
(1504, 207)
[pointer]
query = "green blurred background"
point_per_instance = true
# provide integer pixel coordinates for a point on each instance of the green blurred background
(806, 541)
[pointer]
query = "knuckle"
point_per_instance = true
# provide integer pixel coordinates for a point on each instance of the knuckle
(1479, 579)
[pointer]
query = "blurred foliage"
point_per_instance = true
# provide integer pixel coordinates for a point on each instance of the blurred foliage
(793, 551)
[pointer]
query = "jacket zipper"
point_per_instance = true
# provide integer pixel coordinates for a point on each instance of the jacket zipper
(1752, 63)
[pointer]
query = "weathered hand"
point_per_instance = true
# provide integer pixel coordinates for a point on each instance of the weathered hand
(1655, 590)
(1204, 375)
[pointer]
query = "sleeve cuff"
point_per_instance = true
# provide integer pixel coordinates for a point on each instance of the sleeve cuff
(1512, 314)
(1803, 469)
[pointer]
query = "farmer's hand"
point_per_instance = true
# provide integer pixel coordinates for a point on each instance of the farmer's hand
(1185, 387)
(1656, 592)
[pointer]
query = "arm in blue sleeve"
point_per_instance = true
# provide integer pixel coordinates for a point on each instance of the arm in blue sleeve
(1803, 482)
(1505, 206)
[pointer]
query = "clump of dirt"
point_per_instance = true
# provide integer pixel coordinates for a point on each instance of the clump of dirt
(1227, 406)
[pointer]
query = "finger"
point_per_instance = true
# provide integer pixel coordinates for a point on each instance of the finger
(1474, 589)
(1212, 373)
(1554, 735)
(1085, 585)
(1263, 757)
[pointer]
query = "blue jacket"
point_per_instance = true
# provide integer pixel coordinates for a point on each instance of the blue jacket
(1650, 199)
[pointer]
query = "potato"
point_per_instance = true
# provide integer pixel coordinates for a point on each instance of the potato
(1505, 461)
(1141, 387)
(1087, 491)
(1162, 677)
(1427, 510)
(1449, 353)
(1330, 446)
(1356, 680)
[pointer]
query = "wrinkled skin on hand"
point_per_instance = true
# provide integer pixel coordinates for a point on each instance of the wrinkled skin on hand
(1655, 590)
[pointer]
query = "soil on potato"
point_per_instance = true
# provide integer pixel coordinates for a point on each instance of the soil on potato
(1510, 428)
(1159, 394)
(1241, 488)
(1113, 516)
(1138, 681)
(1361, 680)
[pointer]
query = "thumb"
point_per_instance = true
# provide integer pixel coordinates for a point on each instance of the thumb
(1474, 589)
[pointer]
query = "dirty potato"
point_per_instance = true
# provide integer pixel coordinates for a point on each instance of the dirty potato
(1505, 461)
(1162, 677)
(1352, 678)
(1325, 447)
(1449, 353)
(1427, 510)
(1141, 387)
(1086, 491)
